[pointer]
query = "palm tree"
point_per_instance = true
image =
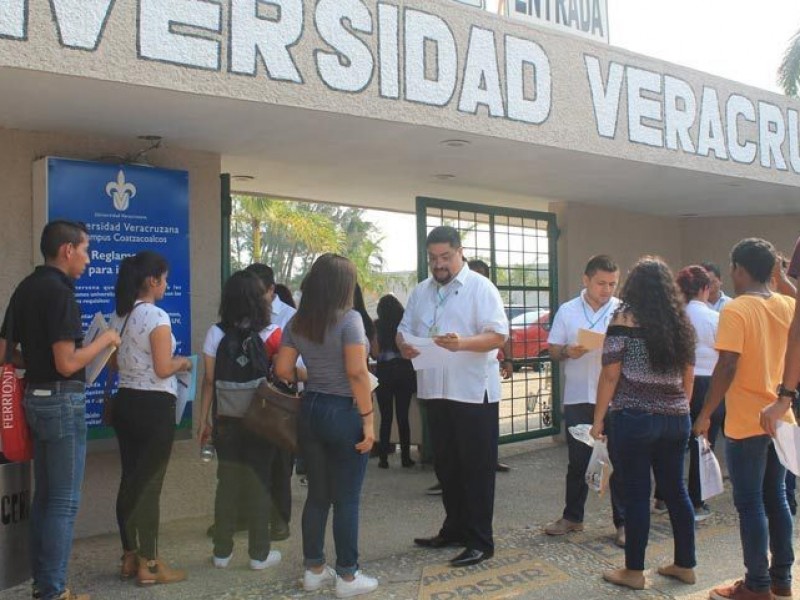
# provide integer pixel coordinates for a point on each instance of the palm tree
(789, 71)
(278, 230)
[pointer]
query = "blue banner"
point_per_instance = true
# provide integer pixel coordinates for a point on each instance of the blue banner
(126, 208)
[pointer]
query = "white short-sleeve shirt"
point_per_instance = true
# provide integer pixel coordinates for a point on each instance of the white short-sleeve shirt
(581, 374)
(281, 312)
(705, 321)
(135, 355)
(214, 336)
(469, 305)
(721, 301)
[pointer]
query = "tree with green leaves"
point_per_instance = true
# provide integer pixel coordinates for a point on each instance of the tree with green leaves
(789, 71)
(289, 236)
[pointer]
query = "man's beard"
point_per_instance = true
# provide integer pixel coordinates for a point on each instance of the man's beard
(448, 277)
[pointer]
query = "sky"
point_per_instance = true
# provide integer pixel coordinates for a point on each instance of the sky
(742, 40)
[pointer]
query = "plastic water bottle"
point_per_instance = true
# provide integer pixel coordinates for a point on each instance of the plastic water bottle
(207, 453)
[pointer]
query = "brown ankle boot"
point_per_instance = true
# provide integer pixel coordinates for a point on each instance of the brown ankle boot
(156, 571)
(129, 565)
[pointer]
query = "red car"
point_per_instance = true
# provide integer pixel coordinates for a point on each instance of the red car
(529, 332)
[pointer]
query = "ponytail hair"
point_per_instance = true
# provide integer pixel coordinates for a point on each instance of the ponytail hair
(132, 277)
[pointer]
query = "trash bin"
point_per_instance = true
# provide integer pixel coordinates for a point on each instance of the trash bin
(15, 515)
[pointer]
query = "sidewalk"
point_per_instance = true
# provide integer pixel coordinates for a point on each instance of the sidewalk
(528, 564)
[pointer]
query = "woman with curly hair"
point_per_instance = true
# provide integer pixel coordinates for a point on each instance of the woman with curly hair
(646, 383)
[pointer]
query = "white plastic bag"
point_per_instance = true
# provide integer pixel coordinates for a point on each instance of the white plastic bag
(582, 434)
(710, 473)
(599, 470)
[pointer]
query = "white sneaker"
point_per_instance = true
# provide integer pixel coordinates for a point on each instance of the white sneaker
(222, 563)
(361, 584)
(273, 558)
(314, 581)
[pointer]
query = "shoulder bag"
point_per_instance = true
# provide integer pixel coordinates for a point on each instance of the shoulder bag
(273, 413)
(15, 434)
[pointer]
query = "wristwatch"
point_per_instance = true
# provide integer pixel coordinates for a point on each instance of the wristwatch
(784, 392)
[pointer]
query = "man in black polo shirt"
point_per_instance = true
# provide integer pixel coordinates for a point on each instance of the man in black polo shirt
(44, 318)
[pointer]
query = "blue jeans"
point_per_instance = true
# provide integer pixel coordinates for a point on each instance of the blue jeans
(58, 425)
(648, 441)
(329, 428)
(765, 524)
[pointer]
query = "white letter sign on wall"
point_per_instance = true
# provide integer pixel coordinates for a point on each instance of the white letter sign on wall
(396, 54)
(680, 112)
(80, 23)
(605, 97)
(641, 107)
(389, 50)
(158, 40)
(349, 69)
(521, 107)
(13, 19)
(794, 139)
(421, 30)
(481, 83)
(253, 36)
(771, 134)
(739, 106)
(711, 136)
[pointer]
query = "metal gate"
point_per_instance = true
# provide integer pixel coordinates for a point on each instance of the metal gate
(520, 248)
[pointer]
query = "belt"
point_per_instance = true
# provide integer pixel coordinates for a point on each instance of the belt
(57, 387)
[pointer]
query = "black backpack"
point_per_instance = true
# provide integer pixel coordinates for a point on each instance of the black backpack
(241, 365)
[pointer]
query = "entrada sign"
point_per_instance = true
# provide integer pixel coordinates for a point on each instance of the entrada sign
(405, 54)
(587, 18)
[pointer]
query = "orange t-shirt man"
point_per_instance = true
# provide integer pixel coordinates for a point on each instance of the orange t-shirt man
(755, 328)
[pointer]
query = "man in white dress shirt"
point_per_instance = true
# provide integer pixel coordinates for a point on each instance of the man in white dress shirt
(592, 310)
(716, 297)
(463, 312)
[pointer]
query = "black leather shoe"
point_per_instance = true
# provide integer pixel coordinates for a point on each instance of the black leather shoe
(437, 541)
(471, 557)
(502, 468)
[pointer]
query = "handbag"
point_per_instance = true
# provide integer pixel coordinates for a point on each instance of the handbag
(110, 397)
(272, 415)
(17, 442)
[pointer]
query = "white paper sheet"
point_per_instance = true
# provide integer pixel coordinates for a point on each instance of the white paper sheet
(96, 327)
(430, 356)
(787, 446)
(187, 389)
(373, 382)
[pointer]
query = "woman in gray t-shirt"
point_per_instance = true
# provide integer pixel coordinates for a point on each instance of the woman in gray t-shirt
(335, 428)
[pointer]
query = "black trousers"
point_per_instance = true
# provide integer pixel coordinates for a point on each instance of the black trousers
(243, 484)
(579, 455)
(281, 487)
(145, 425)
(397, 384)
(464, 438)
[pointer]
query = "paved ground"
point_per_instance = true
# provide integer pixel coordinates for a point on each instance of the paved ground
(528, 564)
